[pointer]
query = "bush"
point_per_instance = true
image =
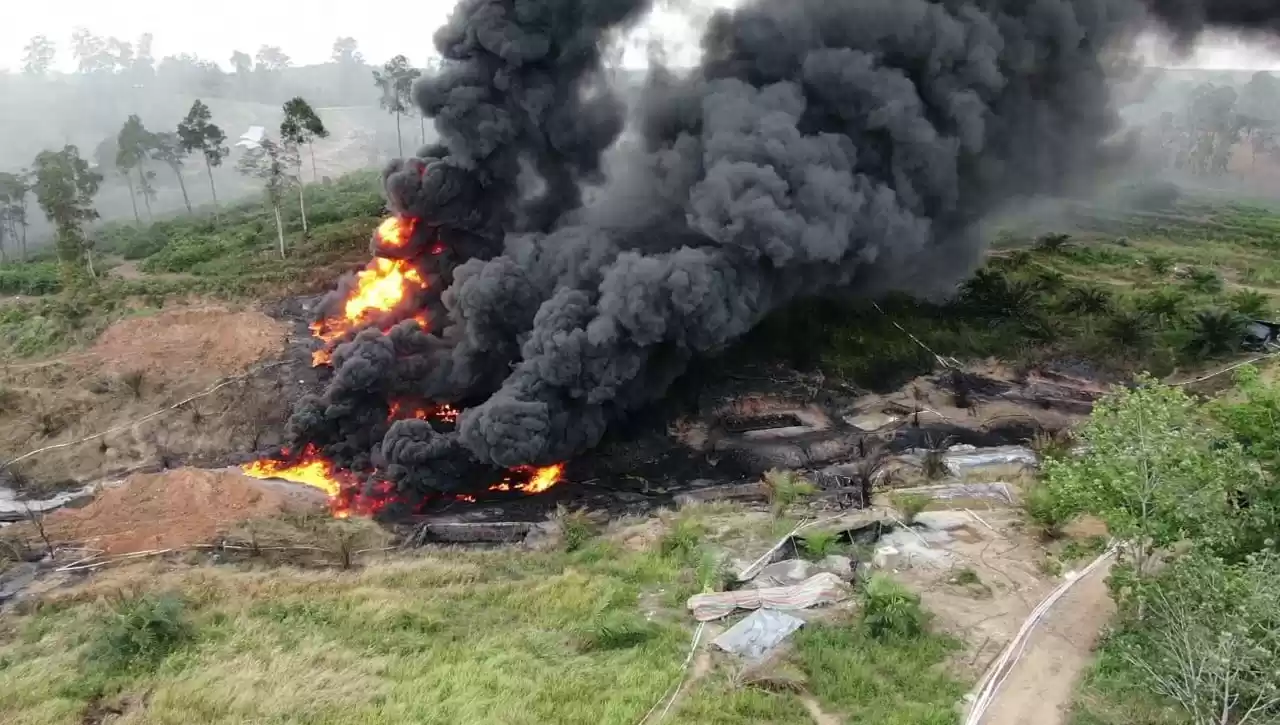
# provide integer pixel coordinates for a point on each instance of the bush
(1251, 303)
(31, 278)
(910, 505)
(1159, 264)
(682, 541)
(1205, 281)
(1047, 509)
(819, 544)
(890, 610)
(138, 633)
(784, 488)
(576, 528)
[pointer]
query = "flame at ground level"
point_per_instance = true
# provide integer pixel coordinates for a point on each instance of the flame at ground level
(313, 469)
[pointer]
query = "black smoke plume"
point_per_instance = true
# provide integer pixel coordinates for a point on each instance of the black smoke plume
(821, 145)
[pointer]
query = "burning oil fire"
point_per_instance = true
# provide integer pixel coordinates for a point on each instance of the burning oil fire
(380, 287)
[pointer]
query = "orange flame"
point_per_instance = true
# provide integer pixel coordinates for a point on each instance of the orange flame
(395, 232)
(380, 287)
(540, 479)
(311, 469)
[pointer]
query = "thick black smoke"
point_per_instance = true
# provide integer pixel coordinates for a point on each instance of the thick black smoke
(821, 145)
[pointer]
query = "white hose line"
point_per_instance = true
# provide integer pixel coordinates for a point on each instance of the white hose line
(999, 671)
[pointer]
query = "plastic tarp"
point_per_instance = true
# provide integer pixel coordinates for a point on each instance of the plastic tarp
(819, 589)
(758, 633)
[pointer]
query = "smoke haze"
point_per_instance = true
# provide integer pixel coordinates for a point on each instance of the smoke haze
(820, 145)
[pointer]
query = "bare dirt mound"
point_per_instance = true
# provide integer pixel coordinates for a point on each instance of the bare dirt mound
(207, 341)
(141, 365)
(173, 509)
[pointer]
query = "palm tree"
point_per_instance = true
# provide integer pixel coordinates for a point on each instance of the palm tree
(1216, 332)
(1129, 329)
(1165, 306)
(1251, 302)
(1087, 301)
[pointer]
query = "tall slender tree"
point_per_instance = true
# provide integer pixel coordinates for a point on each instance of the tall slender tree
(135, 144)
(14, 189)
(198, 133)
(64, 188)
(395, 81)
(271, 163)
(300, 126)
(167, 149)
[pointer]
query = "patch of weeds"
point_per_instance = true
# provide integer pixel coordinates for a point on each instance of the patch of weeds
(1053, 444)
(1047, 509)
(890, 610)
(714, 572)
(1159, 264)
(576, 527)
(910, 505)
(818, 545)
(933, 464)
(614, 630)
(1080, 549)
(682, 541)
(873, 680)
(1052, 242)
(138, 633)
(785, 488)
(968, 579)
(1205, 281)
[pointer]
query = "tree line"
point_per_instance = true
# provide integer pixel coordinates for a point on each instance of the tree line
(258, 76)
(64, 183)
(1201, 138)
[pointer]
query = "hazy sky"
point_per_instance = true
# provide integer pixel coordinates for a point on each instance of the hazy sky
(247, 24)
(242, 25)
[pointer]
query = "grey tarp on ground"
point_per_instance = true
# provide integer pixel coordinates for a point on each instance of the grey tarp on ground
(758, 633)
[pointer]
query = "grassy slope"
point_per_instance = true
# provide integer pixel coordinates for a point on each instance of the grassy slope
(235, 258)
(594, 636)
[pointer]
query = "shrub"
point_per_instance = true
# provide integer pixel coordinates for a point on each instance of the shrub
(1205, 281)
(31, 278)
(1052, 242)
(1048, 510)
(1159, 264)
(890, 610)
(681, 542)
(576, 528)
(1165, 306)
(138, 633)
(819, 544)
(784, 488)
(910, 505)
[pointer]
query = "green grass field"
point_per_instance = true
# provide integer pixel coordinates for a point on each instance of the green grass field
(596, 635)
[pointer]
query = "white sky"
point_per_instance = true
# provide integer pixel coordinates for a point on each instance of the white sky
(247, 24)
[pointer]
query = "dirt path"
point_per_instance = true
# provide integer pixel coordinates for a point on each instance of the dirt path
(1040, 687)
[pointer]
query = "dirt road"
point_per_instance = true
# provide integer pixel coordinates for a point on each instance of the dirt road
(1040, 687)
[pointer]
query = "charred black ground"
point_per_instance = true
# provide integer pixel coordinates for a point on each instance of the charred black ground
(821, 146)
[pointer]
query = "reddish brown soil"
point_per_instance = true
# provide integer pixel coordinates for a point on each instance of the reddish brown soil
(208, 341)
(173, 509)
